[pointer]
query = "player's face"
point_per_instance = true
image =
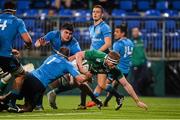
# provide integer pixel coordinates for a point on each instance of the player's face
(66, 35)
(97, 14)
(118, 34)
(110, 64)
(135, 33)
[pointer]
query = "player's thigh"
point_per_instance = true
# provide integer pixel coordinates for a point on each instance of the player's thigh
(101, 79)
(123, 81)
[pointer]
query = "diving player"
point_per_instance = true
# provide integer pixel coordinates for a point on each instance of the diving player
(124, 47)
(101, 63)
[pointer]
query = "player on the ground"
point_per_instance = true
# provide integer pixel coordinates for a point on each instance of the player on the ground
(36, 81)
(107, 65)
(10, 26)
(124, 47)
(57, 39)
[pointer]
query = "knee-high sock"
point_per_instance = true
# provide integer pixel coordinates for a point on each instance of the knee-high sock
(109, 95)
(111, 90)
(87, 90)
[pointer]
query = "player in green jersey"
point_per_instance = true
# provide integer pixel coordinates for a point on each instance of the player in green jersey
(106, 64)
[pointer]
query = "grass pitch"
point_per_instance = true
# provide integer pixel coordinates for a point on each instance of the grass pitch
(159, 108)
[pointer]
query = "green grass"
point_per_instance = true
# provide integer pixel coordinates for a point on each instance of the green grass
(159, 108)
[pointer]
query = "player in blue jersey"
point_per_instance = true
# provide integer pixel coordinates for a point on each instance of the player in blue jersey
(100, 32)
(100, 35)
(35, 82)
(124, 47)
(10, 27)
(59, 38)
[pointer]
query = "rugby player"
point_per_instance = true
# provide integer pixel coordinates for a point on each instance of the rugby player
(124, 47)
(36, 81)
(101, 63)
(10, 27)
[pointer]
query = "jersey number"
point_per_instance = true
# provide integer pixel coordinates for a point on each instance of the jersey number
(3, 25)
(128, 51)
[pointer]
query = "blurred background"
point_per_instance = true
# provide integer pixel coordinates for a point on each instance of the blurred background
(158, 21)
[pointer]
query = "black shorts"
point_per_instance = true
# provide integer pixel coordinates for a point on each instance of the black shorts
(111, 77)
(11, 65)
(32, 89)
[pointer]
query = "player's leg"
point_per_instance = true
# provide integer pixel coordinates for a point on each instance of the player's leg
(33, 90)
(86, 88)
(64, 84)
(109, 95)
(101, 85)
(4, 79)
(13, 66)
(5, 72)
(82, 104)
(101, 80)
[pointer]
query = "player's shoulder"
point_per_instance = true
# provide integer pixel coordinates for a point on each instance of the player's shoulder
(19, 20)
(130, 41)
(74, 40)
(104, 25)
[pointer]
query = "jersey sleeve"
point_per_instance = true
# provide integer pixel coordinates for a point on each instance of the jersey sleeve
(75, 48)
(118, 47)
(106, 31)
(94, 54)
(49, 36)
(72, 70)
(21, 28)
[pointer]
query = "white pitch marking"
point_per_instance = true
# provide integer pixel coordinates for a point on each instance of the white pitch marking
(48, 114)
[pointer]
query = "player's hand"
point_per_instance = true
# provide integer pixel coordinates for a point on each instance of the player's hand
(41, 42)
(89, 74)
(142, 105)
(16, 53)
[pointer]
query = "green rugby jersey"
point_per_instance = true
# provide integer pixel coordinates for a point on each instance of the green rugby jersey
(95, 59)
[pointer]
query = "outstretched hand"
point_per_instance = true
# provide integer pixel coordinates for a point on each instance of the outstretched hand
(142, 105)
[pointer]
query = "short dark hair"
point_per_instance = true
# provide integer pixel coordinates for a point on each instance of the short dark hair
(9, 6)
(68, 26)
(65, 51)
(100, 7)
(123, 28)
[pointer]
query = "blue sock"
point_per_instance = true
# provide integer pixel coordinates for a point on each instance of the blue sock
(96, 94)
(109, 88)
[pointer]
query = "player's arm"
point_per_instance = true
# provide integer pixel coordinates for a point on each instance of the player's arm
(74, 49)
(129, 89)
(27, 39)
(24, 34)
(106, 31)
(79, 59)
(43, 41)
(74, 72)
(16, 53)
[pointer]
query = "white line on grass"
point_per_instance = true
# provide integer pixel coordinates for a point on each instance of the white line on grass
(47, 114)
